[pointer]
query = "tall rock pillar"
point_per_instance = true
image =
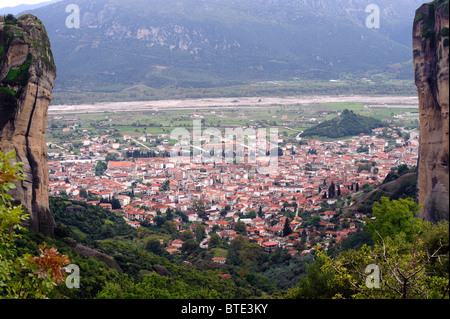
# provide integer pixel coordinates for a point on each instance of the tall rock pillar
(27, 74)
(431, 63)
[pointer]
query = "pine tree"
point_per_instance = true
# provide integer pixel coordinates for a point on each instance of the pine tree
(287, 228)
(331, 191)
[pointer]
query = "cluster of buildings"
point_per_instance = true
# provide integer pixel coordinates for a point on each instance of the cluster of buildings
(148, 187)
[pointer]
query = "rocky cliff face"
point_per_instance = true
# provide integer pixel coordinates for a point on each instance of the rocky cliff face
(431, 61)
(27, 74)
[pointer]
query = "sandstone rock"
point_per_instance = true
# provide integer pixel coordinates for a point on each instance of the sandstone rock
(27, 74)
(431, 62)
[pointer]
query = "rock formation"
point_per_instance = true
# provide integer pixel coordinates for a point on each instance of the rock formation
(27, 74)
(431, 62)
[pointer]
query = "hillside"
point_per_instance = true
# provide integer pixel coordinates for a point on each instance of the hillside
(402, 187)
(347, 124)
(90, 233)
(197, 44)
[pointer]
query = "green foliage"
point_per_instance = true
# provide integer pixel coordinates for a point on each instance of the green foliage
(100, 168)
(199, 207)
(240, 227)
(348, 124)
(398, 171)
(318, 283)
(87, 223)
(21, 274)
(287, 228)
(19, 76)
(411, 259)
(10, 19)
(394, 218)
(153, 245)
(7, 90)
(11, 216)
(153, 286)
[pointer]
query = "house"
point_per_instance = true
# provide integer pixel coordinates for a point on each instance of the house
(177, 243)
(106, 206)
(270, 246)
(172, 249)
(134, 224)
(219, 260)
(327, 215)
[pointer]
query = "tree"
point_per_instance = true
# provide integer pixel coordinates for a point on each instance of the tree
(189, 246)
(318, 283)
(22, 275)
(214, 241)
(331, 191)
(100, 168)
(159, 221)
(394, 217)
(248, 253)
(187, 234)
(107, 231)
(153, 245)
(115, 203)
(409, 258)
(287, 228)
(240, 227)
(152, 286)
(164, 186)
(10, 19)
(397, 269)
(170, 228)
(199, 207)
(111, 157)
(83, 193)
(200, 232)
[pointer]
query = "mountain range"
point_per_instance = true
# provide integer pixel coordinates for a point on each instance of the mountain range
(24, 7)
(207, 43)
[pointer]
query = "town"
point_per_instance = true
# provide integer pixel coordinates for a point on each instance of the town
(295, 207)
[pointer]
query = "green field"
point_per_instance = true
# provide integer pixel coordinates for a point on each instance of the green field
(289, 119)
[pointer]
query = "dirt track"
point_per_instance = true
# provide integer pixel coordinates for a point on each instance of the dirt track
(373, 101)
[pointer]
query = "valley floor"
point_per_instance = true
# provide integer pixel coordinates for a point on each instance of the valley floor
(253, 102)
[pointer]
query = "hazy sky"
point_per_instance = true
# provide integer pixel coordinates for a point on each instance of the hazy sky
(13, 3)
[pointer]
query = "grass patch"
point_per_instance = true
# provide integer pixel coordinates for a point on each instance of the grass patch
(219, 252)
(7, 90)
